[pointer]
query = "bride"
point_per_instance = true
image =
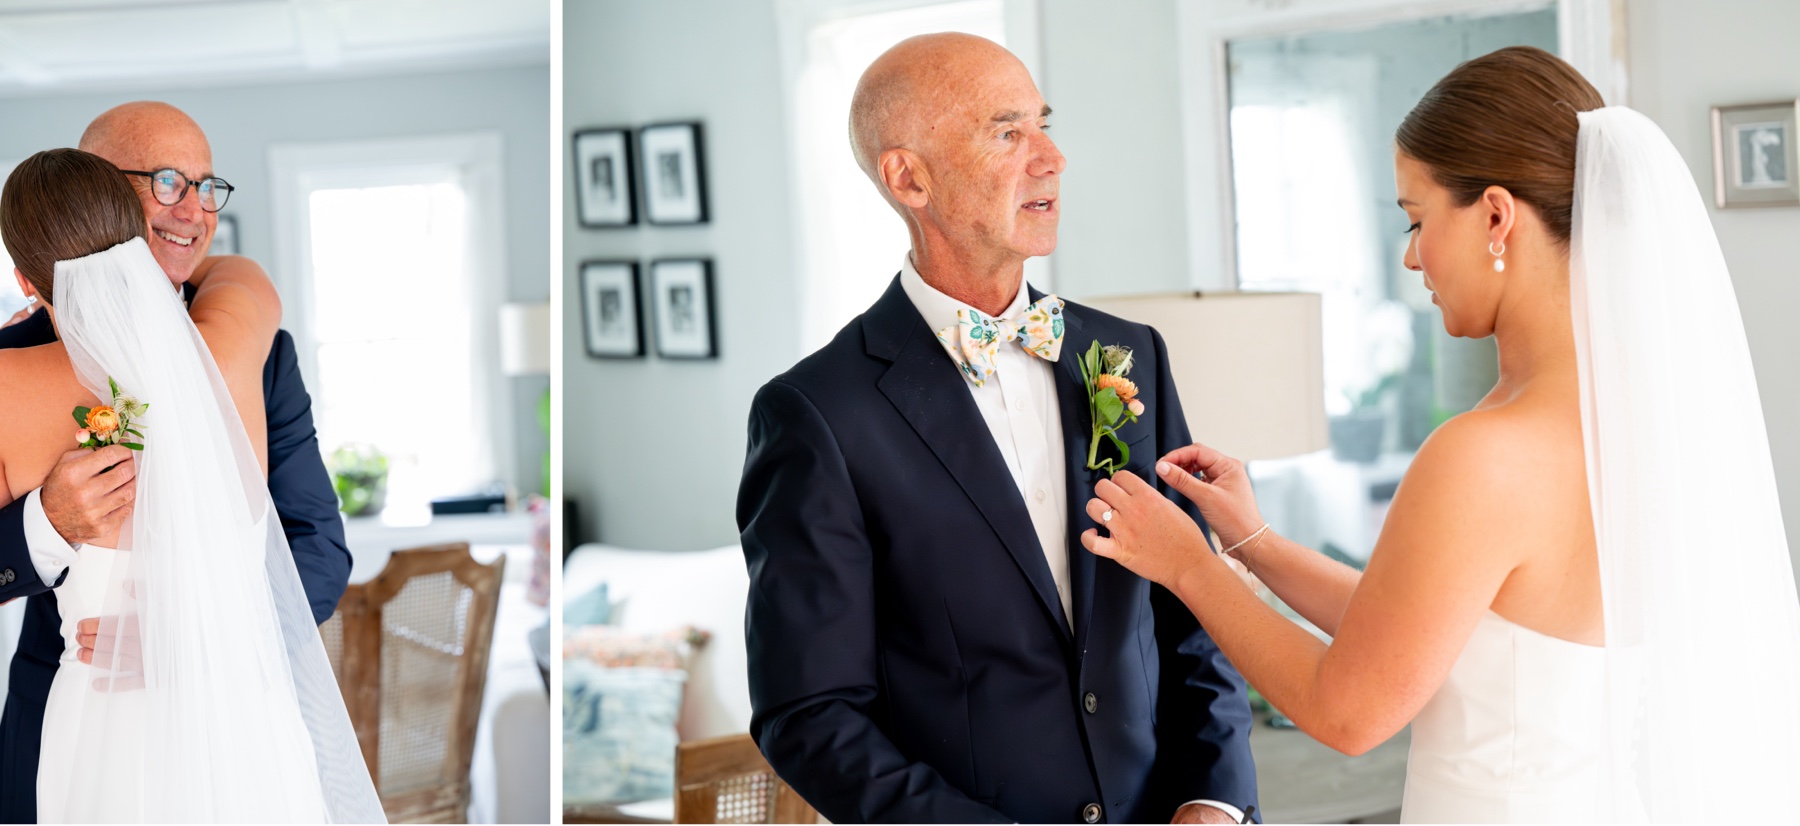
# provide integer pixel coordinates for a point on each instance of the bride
(1582, 598)
(208, 697)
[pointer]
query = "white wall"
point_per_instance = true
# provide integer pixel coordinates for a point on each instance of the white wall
(1687, 57)
(242, 121)
(653, 448)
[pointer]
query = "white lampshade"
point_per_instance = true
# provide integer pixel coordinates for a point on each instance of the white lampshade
(525, 339)
(1250, 367)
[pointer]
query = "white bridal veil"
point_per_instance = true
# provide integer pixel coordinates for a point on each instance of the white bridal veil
(1702, 624)
(221, 695)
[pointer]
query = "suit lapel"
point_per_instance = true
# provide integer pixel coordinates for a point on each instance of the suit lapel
(1072, 403)
(924, 385)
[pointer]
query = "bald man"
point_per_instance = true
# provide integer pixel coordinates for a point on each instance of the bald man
(163, 153)
(928, 640)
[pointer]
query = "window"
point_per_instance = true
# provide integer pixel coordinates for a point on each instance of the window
(12, 299)
(852, 241)
(390, 253)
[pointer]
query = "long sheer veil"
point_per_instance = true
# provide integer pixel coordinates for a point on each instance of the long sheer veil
(219, 678)
(1702, 623)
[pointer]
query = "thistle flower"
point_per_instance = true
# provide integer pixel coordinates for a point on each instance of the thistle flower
(1117, 359)
(129, 407)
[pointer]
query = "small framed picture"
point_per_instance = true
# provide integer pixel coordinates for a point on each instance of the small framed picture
(610, 309)
(682, 293)
(225, 237)
(1755, 160)
(674, 173)
(605, 194)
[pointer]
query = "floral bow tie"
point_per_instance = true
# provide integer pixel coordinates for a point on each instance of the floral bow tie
(976, 337)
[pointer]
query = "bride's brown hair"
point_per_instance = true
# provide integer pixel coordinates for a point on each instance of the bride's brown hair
(1504, 119)
(62, 204)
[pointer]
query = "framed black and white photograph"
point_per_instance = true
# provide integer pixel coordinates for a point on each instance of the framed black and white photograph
(1755, 160)
(225, 237)
(682, 294)
(611, 313)
(605, 194)
(674, 173)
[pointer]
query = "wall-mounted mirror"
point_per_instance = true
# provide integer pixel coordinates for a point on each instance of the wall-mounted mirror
(1312, 119)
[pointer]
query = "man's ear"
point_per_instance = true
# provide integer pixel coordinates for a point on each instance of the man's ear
(904, 175)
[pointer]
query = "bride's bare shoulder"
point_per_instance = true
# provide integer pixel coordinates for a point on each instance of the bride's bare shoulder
(1507, 453)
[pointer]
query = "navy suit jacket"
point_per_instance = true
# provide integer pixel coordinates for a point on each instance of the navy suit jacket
(908, 656)
(304, 499)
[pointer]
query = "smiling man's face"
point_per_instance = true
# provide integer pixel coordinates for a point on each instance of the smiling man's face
(150, 137)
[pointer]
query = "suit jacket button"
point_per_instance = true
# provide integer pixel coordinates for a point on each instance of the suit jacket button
(7, 576)
(1091, 813)
(1091, 703)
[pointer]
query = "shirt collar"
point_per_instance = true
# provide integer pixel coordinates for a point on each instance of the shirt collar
(938, 309)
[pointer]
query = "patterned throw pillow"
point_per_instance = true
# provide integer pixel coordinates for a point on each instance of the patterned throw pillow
(621, 699)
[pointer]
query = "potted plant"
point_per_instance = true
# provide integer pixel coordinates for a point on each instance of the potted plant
(359, 473)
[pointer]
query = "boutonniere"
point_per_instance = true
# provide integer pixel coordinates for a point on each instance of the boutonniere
(1112, 401)
(109, 424)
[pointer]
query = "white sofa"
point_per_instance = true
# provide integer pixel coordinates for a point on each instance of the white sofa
(661, 590)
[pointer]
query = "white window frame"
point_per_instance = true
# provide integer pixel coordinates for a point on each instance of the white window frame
(1591, 35)
(480, 157)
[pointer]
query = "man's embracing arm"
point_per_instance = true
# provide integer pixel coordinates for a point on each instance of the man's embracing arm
(810, 629)
(304, 497)
(1203, 709)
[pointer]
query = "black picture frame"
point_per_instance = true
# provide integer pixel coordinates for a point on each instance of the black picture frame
(685, 308)
(610, 200)
(672, 161)
(225, 237)
(625, 308)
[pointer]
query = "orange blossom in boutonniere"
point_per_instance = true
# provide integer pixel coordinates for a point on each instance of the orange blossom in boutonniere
(1112, 402)
(110, 424)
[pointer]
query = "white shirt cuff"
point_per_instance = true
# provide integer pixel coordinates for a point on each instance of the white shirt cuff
(1236, 813)
(50, 553)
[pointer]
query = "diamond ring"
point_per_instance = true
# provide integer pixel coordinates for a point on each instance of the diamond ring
(1106, 517)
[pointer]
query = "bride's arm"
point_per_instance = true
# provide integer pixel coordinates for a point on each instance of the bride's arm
(1448, 544)
(237, 311)
(1313, 584)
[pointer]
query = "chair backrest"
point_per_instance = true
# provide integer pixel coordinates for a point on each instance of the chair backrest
(726, 780)
(410, 649)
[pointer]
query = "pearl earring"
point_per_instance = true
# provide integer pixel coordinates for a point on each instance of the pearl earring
(1499, 265)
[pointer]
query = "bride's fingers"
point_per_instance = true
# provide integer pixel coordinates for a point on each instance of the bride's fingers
(1096, 509)
(1110, 491)
(1185, 484)
(1200, 459)
(1100, 545)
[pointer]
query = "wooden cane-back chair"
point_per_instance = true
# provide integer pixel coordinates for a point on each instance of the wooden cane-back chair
(410, 649)
(726, 780)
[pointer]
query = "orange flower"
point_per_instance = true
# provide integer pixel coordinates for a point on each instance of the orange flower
(1124, 387)
(102, 420)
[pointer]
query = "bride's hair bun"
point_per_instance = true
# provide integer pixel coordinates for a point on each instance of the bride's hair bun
(62, 204)
(1504, 119)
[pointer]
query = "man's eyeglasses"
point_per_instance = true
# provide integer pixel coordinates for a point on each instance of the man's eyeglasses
(170, 186)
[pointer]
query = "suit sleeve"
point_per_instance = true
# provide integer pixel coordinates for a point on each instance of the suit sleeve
(304, 497)
(810, 629)
(1203, 709)
(18, 571)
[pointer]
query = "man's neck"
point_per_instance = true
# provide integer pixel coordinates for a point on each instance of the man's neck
(988, 287)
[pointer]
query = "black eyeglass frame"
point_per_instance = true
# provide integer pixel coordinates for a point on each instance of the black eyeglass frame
(218, 183)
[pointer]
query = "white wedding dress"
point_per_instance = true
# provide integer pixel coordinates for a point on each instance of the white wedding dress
(215, 702)
(1514, 735)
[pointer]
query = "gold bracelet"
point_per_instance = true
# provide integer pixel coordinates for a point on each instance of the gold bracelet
(1246, 541)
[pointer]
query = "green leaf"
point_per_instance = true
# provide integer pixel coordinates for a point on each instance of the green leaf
(114, 385)
(1124, 449)
(1107, 404)
(143, 408)
(81, 414)
(133, 431)
(136, 446)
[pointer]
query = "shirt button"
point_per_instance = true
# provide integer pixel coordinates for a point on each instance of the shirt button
(1019, 405)
(1091, 813)
(1091, 703)
(1039, 494)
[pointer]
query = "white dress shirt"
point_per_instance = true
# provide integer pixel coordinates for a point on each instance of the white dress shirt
(50, 555)
(1018, 403)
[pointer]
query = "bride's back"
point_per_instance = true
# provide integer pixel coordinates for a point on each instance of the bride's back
(60, 205)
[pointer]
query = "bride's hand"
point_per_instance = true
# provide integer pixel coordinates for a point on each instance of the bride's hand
(1219, 485)
(1149, 534)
